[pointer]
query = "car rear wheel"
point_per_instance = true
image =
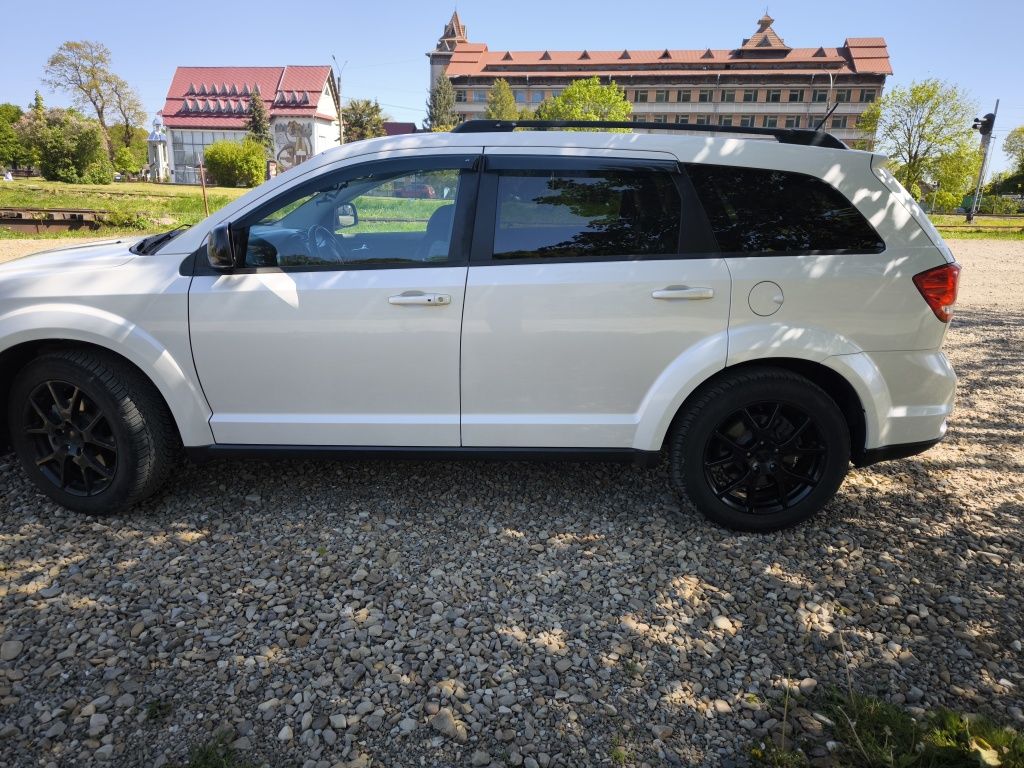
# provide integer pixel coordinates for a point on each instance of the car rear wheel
(91, 431)
(759, 450)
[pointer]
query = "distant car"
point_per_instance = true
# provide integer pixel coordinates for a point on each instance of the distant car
(761, 313)
(117, 176)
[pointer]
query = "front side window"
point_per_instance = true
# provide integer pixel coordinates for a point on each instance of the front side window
(586, 214)
(768, 212)
(380, 218)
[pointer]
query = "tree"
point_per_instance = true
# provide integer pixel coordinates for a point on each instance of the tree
(70, 147)
(128, 107)
(587, 100)
(82, 68)
(363, 120)
(954, 173)
(441, 115)
(233, 163)
(917, 125)
(11, 151)
(258, 124)
(501, 102)
(1013, 145)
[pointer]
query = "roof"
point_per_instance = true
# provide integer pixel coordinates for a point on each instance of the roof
(764, 50)
(392, 128)
(218, 97)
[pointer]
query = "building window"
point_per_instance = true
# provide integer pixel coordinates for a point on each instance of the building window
(750, 94)
(703, 120)
(683, 119)
(771, 121)
(729, 96)
(820, 95)
(747, 121)
(460, 95)
(661, 96)
(843, 95)
(536, 97)
(792, 121)
(725, 120)
(640, 97)
(704, 94)
(867, 96)
(774, 95)
(839, 122)
(520, 97)
(683, 95)
(796, 94)
(479, 95)
(659, 118)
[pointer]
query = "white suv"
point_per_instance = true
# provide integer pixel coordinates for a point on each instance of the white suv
(764, 312)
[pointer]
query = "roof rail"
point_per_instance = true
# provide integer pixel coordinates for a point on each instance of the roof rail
(816, 138)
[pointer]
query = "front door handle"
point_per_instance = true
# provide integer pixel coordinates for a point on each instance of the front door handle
(683, 292)
(419, 297)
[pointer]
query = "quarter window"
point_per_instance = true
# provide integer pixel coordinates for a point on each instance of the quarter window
(768, 212)
(586, 214)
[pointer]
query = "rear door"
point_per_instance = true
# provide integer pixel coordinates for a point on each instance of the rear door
(587, 283)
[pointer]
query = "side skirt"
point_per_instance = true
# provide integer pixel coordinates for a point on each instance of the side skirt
(201, 454)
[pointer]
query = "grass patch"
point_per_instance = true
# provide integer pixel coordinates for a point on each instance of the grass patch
(216, 754)
(955, 227)
(157, 710)
(873, 733)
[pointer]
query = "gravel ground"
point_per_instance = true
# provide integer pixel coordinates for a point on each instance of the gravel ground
(400, 614)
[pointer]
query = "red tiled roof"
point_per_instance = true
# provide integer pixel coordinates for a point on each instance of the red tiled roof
(218, 97)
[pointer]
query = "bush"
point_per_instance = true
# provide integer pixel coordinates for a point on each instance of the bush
(998, 205)
(70, 147)
(234, 164)
(99, 171)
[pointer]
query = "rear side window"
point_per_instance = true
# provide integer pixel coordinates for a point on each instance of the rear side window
(586, 214)
(762, 211)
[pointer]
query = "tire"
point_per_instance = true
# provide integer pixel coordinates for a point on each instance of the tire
(759, 450)
(91, 431)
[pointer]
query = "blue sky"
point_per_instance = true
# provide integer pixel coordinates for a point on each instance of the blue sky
(972, 44)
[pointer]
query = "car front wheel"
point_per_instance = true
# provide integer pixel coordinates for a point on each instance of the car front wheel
(759, 450)
(91, 431)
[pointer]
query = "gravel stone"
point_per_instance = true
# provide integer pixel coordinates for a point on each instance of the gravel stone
(328, 614)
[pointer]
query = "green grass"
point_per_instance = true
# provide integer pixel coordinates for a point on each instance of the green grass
(215, 754)
(132, 207)
(872, 733)
(955, 227)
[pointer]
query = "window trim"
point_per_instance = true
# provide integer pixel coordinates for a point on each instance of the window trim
(469, 164)
(695, 239)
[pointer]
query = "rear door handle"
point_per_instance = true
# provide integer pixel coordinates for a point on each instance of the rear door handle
(419, 297)
(683, 292)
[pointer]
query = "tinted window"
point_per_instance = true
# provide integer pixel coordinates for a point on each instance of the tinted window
(753, 210)
(583, 214)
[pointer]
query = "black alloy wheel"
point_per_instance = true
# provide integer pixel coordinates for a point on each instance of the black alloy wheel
(74, 445)
(765, 458)
(759, 449)
(91, 431)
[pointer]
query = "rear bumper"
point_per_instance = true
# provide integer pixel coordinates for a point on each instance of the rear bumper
(890, 452)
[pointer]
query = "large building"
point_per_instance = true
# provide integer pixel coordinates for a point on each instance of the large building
(208, 104)
(763, 83)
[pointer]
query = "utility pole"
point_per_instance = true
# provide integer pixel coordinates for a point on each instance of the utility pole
(337, 90)
(984, 126)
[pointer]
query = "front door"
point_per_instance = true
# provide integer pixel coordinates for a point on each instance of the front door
(593, 296)
(342, 328)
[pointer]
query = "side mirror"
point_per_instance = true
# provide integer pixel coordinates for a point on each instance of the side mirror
(219, 250)
(346, 215)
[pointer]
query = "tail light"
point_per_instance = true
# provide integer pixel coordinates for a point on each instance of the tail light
(938, 286)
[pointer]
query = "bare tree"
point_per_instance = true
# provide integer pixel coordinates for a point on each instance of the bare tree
(128, 105)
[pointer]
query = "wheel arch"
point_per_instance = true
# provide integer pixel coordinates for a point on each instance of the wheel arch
(15, 358)
(831, 381)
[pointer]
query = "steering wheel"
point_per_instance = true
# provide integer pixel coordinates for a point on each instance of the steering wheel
(324, 242)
